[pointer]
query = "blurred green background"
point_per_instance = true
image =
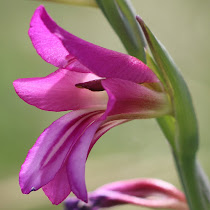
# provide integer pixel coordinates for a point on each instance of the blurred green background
(135, 149)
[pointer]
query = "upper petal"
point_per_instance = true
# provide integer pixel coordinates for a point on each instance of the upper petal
(58, 47)
(129, 100)
(57, 91)
(48, 46)
(50, 151)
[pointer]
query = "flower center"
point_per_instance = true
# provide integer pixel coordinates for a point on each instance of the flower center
(94, 85)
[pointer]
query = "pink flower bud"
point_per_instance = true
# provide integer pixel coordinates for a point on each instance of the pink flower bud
(152, 193)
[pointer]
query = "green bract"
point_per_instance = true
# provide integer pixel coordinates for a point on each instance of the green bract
(186, 123)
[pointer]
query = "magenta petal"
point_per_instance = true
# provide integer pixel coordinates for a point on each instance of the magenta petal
(59, 47)
(57, 91)
(58, 189)
(151, 193)
(145, 187)
(131, 100)
(50, 151)
(44, 33)
(77, 160)
(48, 46)
(108, 63)
(75, 65)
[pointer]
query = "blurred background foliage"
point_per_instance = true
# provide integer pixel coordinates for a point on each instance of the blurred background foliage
(135, 149)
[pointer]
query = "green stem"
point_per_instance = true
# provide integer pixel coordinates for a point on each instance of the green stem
(203, 184)
(194, 181)
(188, 174)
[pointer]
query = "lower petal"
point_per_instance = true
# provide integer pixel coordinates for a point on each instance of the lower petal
(80, 152)
(58, 189)
(77, 160)
(49, 153)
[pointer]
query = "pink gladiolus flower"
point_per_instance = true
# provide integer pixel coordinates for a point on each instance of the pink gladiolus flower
(152, 193)
(104, 88)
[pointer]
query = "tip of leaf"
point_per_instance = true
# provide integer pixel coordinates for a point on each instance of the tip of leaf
(139, 19)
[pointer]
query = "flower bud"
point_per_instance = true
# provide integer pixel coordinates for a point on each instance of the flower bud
(151, 193)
